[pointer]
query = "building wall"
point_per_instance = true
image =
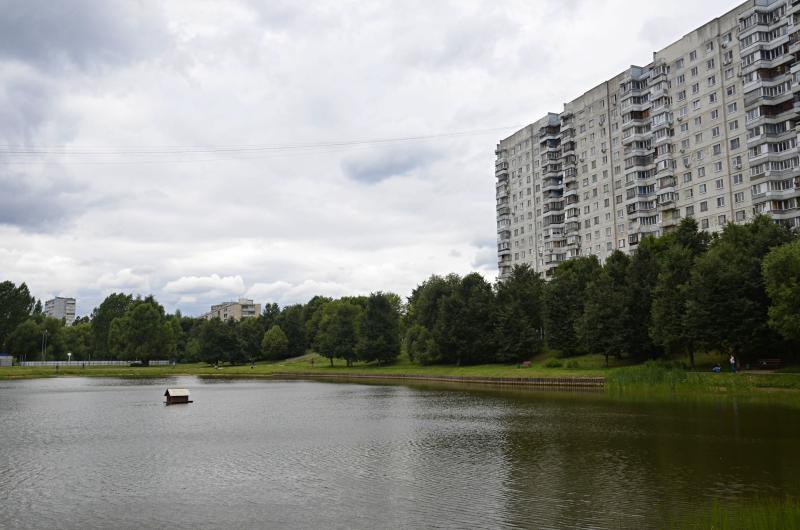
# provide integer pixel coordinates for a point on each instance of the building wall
(243, 308)
(706, 130)
(61, 308)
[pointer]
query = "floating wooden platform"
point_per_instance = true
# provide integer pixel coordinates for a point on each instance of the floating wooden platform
(177, 396)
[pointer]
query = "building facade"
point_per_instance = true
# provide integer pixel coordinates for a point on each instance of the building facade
(61, 308)
(243, 308)
(706, 130)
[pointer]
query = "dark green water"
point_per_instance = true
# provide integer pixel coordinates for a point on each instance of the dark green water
(105, 453)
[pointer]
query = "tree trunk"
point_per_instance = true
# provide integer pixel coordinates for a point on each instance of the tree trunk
(331, 360)
(691, 358)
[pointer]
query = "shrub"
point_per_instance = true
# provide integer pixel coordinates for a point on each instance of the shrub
(553, 363)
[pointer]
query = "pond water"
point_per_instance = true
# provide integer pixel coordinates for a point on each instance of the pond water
(106, 453)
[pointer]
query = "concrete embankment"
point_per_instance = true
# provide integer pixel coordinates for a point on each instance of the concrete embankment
(552, 382)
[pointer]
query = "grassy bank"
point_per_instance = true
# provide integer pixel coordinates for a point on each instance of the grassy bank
(651, 378)
(759, 514)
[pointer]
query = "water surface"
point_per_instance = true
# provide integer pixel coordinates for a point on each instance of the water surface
(102, 453)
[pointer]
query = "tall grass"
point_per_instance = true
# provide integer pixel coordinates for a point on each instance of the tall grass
(651, 373)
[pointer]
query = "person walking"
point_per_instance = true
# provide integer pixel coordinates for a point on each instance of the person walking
(733, 364)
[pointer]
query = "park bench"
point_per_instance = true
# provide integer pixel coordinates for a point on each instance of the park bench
(769, 364)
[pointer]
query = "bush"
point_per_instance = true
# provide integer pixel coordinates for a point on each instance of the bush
(553, 363)
(573, 364)
(650, 373)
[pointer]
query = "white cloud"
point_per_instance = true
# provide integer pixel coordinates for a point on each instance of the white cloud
(119, 84)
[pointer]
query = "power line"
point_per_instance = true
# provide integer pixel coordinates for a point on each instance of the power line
(230, 149)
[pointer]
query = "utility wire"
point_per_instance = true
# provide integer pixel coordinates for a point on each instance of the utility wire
(241, 149)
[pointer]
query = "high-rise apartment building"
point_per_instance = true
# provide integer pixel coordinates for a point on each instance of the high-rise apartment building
(706, 130)
(243, 308)
(61, 308)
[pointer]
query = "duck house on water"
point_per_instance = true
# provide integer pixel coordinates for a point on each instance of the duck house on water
(177, 396)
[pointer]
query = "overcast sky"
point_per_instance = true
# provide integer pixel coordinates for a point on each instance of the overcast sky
(203, 151)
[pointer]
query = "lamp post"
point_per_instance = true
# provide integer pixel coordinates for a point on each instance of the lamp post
(44, 343)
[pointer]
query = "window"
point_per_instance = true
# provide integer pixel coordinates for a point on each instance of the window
(696, 104)
(732, 107)
(715, 132)
(681, 95)
(715, 114)
(735, 143)
(717, 167)
(687, 177)
(712, 80)
(704, 206)
(702, 188)
(684, 127)
(720, 202)
(698, 138)
(716, 149)
(741, 215)
(729, 73)
(719, 184)
(695, 88)
(698, 120)
(704, 224)
(693, 55)
(731, 90)
(721, 220)
(733, 125)
(689, 211)
(693, 71)
(738, 197)
(712, 98)
(710, 46)
(679, 63)
(681, 79)
(737, 178)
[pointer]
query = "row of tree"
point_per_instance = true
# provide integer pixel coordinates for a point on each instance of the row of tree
(735, 292)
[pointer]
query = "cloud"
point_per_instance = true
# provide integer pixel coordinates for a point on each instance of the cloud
(81, 33)
(125, 280)
(380, 164)
(209, 286)
(192, 149)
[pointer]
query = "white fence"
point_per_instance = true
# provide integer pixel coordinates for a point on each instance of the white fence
(89, 363)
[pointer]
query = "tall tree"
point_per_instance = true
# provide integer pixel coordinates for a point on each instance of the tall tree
(338, 334)
(728, 304)
(641, 278)
(781, 272)
(250, 333)
(269, 316)
(380, 329)
(114, 306)
(426, 298)
(275, 344)
(604, 326)
(16, 305)
(78, 339)
(564, 298)
(464, 330)
(142, 334)
(518, 317)
(292, 323)
(217, 341)
(312, 314)
(421, 346)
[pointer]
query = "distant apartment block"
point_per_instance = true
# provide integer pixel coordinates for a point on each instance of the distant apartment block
(61, 308)
(708, 130)
(243, 308)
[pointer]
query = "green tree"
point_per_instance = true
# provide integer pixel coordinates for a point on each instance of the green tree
(564, 298)
(291, 322)
(142, 334)
(269, 316)
(641, 278)
(781, 272)
(380, 330)
(78, 339)
(275, 344)
(218, 341)
(420, 345)
(25, 341)
(250, 334)
(604, 326)
(114, 306)
(338, 334)
(312, 314)
(425, 300)
(728, 305)
(668, 326)
(518, 316)
(16, 305)
(464, 330)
